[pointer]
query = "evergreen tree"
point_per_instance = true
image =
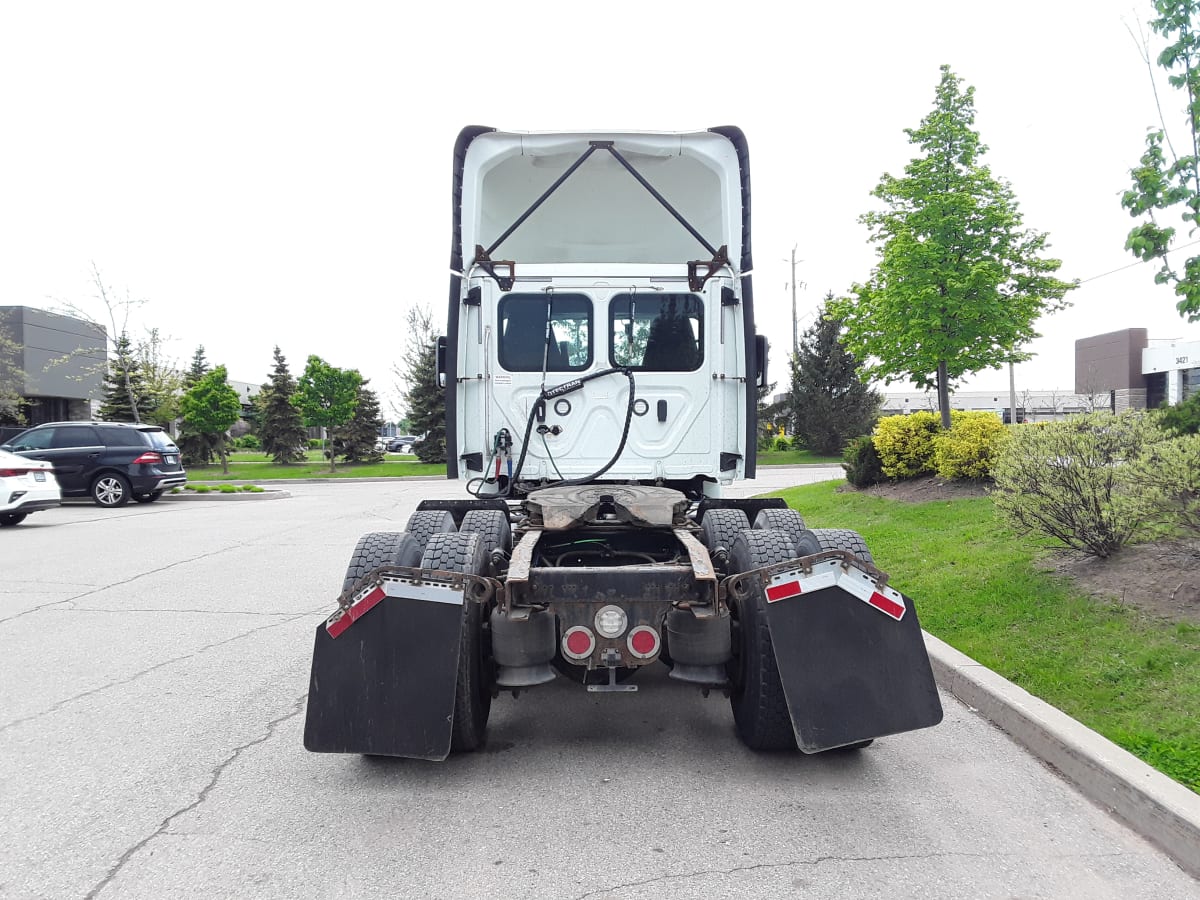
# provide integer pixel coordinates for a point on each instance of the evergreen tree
(280, 425)
(959, 282)
(210, 407)
(197, 449)
(426, 400)
(125, 397)
(355, 441)
(830, 404)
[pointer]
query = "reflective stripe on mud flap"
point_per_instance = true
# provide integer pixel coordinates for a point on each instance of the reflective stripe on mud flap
(831, 573)
(390, 586)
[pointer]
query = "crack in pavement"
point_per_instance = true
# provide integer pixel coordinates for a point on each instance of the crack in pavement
(115, 584)
(297, 708)
(798, 862)
(127, 680)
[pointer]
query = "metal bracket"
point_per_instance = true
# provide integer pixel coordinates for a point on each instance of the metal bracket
(720, 260)
(490, 265)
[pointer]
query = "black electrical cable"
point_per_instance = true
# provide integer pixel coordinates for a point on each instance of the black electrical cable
(567, 388)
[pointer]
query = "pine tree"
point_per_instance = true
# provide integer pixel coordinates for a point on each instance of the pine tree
(425, 399)
(125, 398)
(355, 441)
(197, 449)
(830, 404)
(280, 425)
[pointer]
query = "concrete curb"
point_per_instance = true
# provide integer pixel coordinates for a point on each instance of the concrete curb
(1156, 807)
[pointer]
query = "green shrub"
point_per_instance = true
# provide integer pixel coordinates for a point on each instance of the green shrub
(781, 444)
(1182, 418)
(905, 443)
(314, 443)
(970, 448)
(861, 462)
(247, 442)
(1079, 482)
(1170, 470)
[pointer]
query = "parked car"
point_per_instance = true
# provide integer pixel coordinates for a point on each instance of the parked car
(26, 485)
(402, 444)
(112, 462)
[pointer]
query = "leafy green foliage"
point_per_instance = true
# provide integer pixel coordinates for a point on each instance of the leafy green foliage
(355, 441)
(280, 425)
(1170, 471)
(971, 446)
(210, 407)
(125, 397)
(327, 396)
(781, 444)
(829, 402)
(12, 378)
(959, 281)
(1182, 418)
(1163, 180)
(162, 382)
(1077, 482)
(905, 444)
(425, 398)
(861, 462)
(197, 449)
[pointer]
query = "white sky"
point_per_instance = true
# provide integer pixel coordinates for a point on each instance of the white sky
(279, 173)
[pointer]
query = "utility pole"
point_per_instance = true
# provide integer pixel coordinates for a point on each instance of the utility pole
(795, 332)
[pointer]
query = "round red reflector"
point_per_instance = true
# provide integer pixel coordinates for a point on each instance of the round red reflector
(643, 641)
(578, 642)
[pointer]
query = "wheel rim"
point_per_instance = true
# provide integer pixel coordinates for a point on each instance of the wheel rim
(109, 491)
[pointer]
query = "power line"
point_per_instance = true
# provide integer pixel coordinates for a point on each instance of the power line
(1132, 264)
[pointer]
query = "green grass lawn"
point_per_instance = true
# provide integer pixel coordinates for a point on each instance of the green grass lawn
(255, 466)
(1133, 678)
(793, 457)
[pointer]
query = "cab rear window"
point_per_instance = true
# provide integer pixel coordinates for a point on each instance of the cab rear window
(523, 344)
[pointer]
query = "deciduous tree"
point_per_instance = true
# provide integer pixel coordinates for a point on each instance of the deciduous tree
(327, 397)
(210, 407)
(830, 404)
(1164, 180)
(280, 424)
(959, 281)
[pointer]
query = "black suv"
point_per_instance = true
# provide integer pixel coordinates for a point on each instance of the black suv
(109, 461)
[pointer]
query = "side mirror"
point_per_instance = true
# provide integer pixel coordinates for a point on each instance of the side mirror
(760, 354)
(441, 362)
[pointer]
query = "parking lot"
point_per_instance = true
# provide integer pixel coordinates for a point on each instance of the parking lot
(153, 672)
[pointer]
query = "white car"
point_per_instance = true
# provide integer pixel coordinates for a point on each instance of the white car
(26, 485)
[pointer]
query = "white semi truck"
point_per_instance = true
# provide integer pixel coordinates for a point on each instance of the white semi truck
(601, 372)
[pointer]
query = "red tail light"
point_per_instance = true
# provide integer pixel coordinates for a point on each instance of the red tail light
(643, 642)
(578, 643)
(13, 473)
(149, 458)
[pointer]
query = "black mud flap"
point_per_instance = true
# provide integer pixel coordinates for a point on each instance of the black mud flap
(850, 654)
(384, 673)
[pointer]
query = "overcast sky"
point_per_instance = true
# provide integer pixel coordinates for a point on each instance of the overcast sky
(279, 173)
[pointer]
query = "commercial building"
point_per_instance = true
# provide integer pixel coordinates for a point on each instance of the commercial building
(1135, 372)
(55, 363)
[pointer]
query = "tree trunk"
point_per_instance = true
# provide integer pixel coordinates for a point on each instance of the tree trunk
(224, 454)
(943, 394)
(332, 455)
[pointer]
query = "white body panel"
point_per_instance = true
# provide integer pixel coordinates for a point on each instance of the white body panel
(609, 263)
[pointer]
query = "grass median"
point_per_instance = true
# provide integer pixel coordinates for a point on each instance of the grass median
(251, 466)
(1131, 677)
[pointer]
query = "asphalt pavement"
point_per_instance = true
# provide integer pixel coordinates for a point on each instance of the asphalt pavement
(153, 669)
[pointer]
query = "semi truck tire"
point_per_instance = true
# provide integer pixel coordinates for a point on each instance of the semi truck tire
(760, 710)
(425, 523)
(381, 548)
(464, 552)
(492, 526)
(720, 527)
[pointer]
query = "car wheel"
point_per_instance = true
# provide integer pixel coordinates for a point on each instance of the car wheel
(147, 498)
(7, 519)
(111, 489)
